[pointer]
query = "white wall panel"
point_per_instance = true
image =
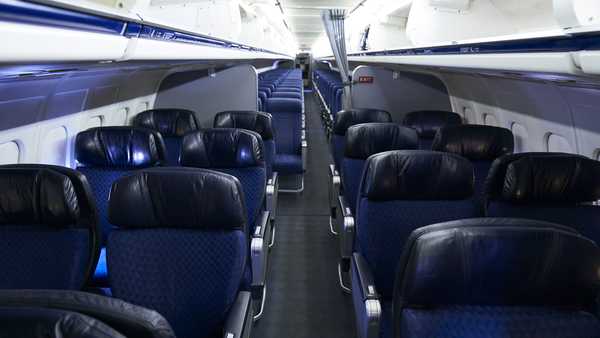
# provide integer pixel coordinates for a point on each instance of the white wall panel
(9, 152)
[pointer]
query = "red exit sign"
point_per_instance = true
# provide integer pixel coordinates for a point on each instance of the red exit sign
(366, 79)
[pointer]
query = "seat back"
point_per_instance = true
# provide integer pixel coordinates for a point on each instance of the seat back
(107, 153)
(552, 187)
(364, 140)
(480, 144)
(172, 124)
(48, 227)
(287, 121)
(404, 190)
(43, 313)
(181, 247)
(345, 119)
(497, 278)
(428, 122)
(237, 152)
(258, 122)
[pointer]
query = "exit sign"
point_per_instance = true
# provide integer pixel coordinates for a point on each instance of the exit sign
(366, 79)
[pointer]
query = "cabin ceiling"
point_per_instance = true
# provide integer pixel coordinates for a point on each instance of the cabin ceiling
(304, 17)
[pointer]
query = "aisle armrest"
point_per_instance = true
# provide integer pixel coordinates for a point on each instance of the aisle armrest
(239, 320)
(334, 190)
(346, 227)
(272, 194)
(367, 303)
(259, 250)
(304, 151)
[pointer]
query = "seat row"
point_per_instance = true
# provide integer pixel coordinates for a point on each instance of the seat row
(330, 88)
(434, 279)
(167, 176)
(281, 93)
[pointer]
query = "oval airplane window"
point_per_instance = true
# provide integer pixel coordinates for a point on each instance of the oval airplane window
(9, 153)
(53, 149)
(122, 116)
(557, 143)
(490, 120)
(521, 137)
(93, 122)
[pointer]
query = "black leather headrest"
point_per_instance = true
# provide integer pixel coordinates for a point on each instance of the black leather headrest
(128, 319)
(251, 120)
(121, 147)
(345, 119)
(417, 175)
(497, 262)
(178, 198)
(475, 142)
(222, 148)
(366, 139)
(562, 179)
(168, 122)
(497, 176)
(30, 196)
(428, 122)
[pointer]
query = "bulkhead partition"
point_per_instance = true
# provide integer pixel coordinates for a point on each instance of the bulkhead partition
(209, 92)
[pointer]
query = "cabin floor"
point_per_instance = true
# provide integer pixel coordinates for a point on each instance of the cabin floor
(304, 298)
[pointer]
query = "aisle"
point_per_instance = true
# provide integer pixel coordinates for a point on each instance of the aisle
(304, 298)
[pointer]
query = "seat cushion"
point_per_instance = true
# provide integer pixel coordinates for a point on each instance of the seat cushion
(288, 164)
(497, 322)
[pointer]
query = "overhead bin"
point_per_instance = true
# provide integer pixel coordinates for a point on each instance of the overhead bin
(42, 33)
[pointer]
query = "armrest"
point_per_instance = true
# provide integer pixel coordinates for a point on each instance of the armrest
(366, 299)
(347, 228)
(271, 195)
(304, 151)
(239, 320)
(334, 189)
(259, 249)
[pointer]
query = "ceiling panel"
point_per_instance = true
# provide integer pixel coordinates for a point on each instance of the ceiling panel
(304, 17)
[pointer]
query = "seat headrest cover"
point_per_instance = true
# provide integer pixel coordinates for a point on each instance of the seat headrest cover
(284, 105)
(552, 180)
(222, 148)
(428, 122)
(251, 120)
(475, 142)
(366, 139)
(494, 184)
(178, 198)
(37, 197)
(168, 122)
(497, 262)
(122, 147)
(345, 119)
(417, 175)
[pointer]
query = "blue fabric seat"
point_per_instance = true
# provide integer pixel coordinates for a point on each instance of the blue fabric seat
(553, 187)
(480, 144)
(401, 191)
(105, 154)
(347, 118)
(496, 278)
(287, 122)
(428, 122)
(258, 122)
(48, 227)
(183, 257)
(172, 124)
(237, 152)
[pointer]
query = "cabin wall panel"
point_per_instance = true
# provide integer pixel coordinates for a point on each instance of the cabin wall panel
(43, 115)
(233, 88)
(399, 94)
(544, 116)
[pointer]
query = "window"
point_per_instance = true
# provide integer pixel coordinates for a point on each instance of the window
(142, 107)
(9, 153)
(122, 117)
(521, 137)
(490, 120)
(53, 149)
(95, 121)
(559, 144)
